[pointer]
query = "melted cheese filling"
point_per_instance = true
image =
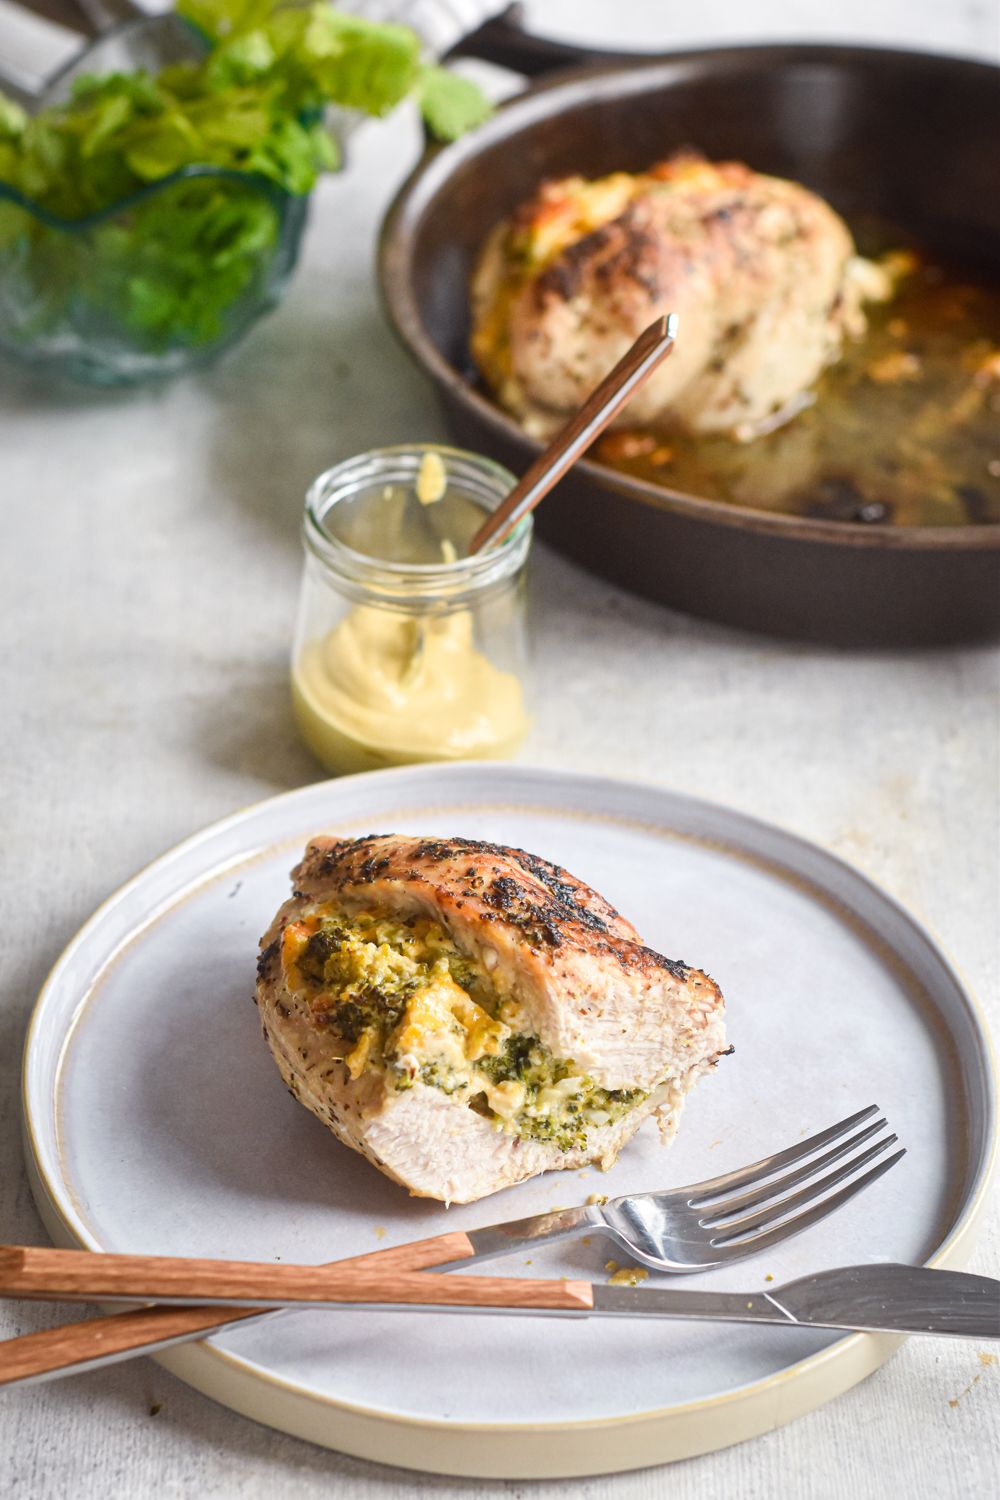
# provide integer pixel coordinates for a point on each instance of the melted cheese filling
(403, 1000)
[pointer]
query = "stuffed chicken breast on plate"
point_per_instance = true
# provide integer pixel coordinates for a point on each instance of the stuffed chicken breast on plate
(467, 1015)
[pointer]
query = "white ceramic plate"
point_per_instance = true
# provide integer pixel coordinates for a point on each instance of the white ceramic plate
(156, 1121)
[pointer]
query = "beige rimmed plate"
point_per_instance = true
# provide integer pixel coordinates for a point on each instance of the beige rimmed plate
(155, 1121)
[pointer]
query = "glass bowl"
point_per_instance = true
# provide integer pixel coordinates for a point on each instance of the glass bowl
(160, 282)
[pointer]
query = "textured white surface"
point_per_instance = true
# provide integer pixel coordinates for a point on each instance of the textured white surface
(150, 567)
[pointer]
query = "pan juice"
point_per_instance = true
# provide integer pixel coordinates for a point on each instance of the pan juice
(903, 430)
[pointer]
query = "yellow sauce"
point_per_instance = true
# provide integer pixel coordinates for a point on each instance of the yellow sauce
(386, 689)
(625, 1275)
(432, 480)
(389, 684)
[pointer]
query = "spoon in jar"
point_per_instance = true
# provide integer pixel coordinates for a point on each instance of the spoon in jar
(601, 406)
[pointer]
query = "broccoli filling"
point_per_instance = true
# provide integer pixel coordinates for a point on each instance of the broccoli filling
(405, 1001)
(363, 971)
(559, 1103)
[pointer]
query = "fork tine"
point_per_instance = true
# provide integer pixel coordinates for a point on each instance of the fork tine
(714, 1187)
(733, 1229)
(739, 1249)
(774, 1186)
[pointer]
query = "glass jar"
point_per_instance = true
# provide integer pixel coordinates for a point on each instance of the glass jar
(406, 649)
(99, 301)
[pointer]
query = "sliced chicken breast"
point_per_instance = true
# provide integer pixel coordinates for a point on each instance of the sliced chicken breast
(467, 1015)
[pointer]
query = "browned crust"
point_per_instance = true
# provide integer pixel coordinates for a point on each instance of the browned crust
(543, 905)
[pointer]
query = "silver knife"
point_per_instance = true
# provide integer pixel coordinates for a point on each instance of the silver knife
(873, 1299)
(886, 1298)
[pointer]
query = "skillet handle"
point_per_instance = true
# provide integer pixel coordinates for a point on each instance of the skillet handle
(503, 41)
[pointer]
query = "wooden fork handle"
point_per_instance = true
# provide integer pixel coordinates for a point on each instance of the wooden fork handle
(78, 1346)
(73, 1347)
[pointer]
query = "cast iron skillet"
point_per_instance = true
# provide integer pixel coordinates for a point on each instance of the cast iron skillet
(907, 136)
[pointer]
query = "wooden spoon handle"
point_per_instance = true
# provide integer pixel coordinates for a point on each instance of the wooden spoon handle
(73, 1347)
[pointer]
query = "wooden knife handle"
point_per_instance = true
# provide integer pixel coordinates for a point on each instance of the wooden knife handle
(383, 1276)
(83, 1275)
(78, 1345)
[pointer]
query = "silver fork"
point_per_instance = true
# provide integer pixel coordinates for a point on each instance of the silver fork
(690, 1229)
(725, 1218)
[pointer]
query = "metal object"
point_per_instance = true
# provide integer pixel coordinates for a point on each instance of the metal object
(859, 1299)
(886, 1298)
(725, 1218)
(877, 1299)
(615, 391)
(896, 134)
(124, 38)
(692, 1229)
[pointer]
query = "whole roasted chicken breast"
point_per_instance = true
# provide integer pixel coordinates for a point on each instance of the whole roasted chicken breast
(762, 274)
(467, 1015)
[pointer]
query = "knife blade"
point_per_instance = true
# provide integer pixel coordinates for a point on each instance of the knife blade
(886, 1298)
(889, 1298)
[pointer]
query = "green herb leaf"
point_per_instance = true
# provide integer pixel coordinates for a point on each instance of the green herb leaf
(360, 64)
(12, 118)
(450, 104)
(175, 266)
(108, 117)
(250, 105)
(241, 61)
(162, 146)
